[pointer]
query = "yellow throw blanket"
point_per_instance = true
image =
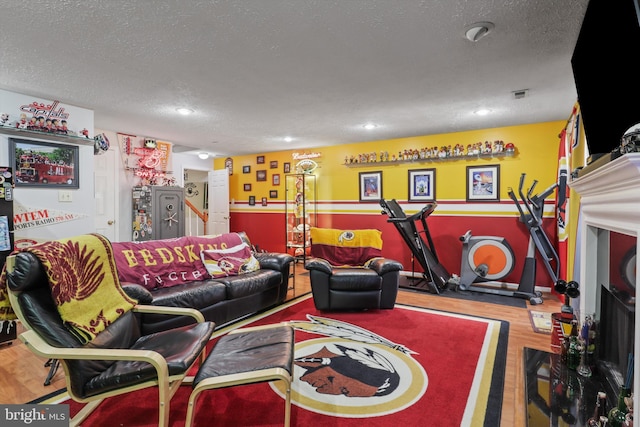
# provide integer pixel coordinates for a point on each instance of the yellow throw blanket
(84, 283)
(346, 247)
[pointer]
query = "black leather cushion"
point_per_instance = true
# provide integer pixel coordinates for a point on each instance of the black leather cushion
(355, 280)
(250, 283)
(194, 294)
(249, 351)
(137, 292)
(180, 347)
(28, 273)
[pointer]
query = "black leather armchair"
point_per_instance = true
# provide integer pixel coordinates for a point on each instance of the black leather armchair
(370, 286)
(120, 359)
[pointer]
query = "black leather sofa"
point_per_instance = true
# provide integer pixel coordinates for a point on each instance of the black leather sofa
(221, 300)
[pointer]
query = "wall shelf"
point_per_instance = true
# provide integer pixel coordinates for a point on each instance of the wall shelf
(433, 160)
(23, 133)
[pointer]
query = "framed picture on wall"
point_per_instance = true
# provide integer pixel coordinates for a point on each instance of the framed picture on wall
(287, 167)
(246, 169)
(483, 183)
(264, 201)
(247, 187)
(422, 185)
(261, 175)
(252, 200)
(44, 164)
(273, 194)
(275, 179)
(260, 160)
(370, 186)
(273, 164)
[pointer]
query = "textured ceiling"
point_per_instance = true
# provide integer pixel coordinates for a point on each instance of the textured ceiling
(256, 71)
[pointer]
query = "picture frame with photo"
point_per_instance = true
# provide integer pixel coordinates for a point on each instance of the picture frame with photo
(261, 175)
(273, 194)
(370, 185)
(286, 167)
(483, 183)
(275, 179)
(252, 200)
(246, 169)
(44, 164)
(273, 164)
(247, 187)
(422, 185)
(264, 201)
(260, 160)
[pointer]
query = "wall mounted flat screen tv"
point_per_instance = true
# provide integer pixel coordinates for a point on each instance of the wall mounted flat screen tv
(607, 79)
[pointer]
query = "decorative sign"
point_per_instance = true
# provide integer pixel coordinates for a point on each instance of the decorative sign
(26, 218)
(147, 158)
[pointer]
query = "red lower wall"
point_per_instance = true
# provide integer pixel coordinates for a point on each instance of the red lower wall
(267, 231)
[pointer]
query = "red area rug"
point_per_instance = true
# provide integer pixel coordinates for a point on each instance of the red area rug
(406, 366)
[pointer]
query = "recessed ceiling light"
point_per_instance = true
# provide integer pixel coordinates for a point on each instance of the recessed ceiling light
(184, 111)
(482, 112)
(288, 139)
(478, 30)
(203, 156)
(370, 126)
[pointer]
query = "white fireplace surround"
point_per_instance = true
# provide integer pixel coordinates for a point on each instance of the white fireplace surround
(609, 200)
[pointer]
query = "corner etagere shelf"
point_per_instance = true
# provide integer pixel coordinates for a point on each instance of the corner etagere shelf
(433, 160)
(23, 133)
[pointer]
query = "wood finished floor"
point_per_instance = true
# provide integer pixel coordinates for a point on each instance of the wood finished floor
(22, 373)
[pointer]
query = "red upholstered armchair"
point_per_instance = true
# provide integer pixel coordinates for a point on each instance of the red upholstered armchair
(347, 270)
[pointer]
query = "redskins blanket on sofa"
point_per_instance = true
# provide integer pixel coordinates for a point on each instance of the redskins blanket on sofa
(84, 282)
(346, 247)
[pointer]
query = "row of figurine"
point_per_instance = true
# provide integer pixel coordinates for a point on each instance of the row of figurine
(41, 124)
(426, 153)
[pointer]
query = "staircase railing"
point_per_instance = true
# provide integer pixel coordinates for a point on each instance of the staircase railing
(196, 221)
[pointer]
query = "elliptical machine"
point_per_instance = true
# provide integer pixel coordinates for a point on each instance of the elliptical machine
(538, 239)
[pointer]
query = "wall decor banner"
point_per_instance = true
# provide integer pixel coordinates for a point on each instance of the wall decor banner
(31, 217)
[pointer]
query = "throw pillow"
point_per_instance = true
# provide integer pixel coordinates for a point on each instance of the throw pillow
(230, 261)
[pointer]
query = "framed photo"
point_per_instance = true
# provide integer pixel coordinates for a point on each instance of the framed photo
(483, 183)
(273, 194)
(260, 160)
(252, 200)
(370, 186)
(275, 179)
(264, 201)
(44, 164)
(261, 175)
(247, 187)
(246, 169)
(273, 164)
(422, 185)
(287, 167)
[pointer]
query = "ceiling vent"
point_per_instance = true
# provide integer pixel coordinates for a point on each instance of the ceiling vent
(519, 94)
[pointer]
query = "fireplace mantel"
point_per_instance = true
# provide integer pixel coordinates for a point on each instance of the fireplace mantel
(610, 195)
(609, 202)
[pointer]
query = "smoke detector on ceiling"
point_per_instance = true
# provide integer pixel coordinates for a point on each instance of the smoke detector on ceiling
(519, 94)
(478, 30)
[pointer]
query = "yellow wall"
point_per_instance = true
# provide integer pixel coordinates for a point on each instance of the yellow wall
(536, 155)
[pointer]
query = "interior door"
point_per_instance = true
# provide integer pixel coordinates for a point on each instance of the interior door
(218, 202)
(105, 194)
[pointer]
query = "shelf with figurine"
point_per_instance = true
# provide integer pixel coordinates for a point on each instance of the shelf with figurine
(497, 149)
(60, 133)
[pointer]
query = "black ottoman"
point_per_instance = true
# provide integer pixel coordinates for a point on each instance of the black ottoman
(245, 356)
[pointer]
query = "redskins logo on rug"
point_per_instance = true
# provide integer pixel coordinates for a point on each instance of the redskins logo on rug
(353, 372)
